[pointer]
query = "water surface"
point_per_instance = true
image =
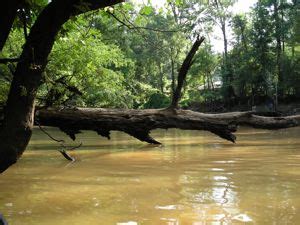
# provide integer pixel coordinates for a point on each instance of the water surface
(194, 178)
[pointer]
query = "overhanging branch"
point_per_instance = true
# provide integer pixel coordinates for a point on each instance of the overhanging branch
(139, 123)
(8, 60)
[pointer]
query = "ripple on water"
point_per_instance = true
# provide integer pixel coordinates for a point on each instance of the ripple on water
(128, 223)
(166, 207)
(185, 182)
(217, 169)
(220, 178)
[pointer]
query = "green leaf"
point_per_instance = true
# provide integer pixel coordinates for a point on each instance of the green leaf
(146, 10)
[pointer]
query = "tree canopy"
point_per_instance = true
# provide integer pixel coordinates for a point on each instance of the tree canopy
(132, 53)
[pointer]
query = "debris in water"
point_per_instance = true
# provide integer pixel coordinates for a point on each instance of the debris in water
(242, 218)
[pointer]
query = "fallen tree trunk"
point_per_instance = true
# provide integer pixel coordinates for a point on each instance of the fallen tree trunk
(139, 123)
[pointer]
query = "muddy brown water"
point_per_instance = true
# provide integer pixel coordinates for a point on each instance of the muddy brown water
(194, 178)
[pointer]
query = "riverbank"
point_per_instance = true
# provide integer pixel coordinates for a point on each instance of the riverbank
(283, 109)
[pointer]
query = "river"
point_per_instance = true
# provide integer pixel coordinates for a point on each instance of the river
(193, 178)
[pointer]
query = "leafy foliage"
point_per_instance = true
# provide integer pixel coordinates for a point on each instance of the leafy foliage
(128, 56)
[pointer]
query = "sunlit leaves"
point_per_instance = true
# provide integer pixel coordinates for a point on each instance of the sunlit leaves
(91, 65)
(146, 10)
(131, 62)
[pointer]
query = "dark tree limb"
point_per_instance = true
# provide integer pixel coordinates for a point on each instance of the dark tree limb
(8, 60)
(187, 63)
(139, 123)
(66, 155)
(2, 220)
(8, 13)
(24, 22)
(61, 142)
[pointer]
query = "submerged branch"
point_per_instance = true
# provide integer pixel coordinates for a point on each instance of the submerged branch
(61, 141)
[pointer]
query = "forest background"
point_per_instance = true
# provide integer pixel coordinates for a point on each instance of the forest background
(128, 56)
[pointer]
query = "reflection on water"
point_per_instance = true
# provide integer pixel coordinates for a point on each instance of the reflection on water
(194, 178)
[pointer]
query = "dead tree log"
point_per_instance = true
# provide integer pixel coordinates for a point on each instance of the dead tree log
(139, 123)
(260, 122)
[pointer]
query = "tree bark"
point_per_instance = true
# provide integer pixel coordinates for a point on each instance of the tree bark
(8, 13)
(223, 28)
(278, 34)
(139, 123)
(19, 111)
(173, 56)
(184, 70)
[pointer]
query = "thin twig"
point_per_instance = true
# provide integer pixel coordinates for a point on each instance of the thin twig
(45, 132)
(130, 24)
(61, 141)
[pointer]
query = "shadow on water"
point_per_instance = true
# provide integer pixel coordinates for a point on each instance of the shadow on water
(2, 220)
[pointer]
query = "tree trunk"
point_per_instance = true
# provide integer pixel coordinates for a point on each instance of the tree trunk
(8, 12)
(173, 56)
(223, 28)
(243, 38)
(161, 78)
(278, 48)
(184, 70)
(19, 111)
(139, 123)
(173, 84)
